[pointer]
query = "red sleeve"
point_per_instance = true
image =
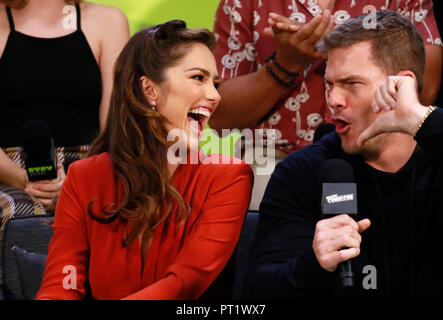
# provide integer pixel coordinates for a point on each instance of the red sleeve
(68, 253)
(233, 28)
(211, 243)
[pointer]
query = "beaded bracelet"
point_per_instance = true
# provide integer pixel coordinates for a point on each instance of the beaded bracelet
(431, 109)
(278, 79)
(279, 66)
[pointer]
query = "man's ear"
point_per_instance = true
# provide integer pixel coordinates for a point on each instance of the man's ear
(150, 89)
(407, 73)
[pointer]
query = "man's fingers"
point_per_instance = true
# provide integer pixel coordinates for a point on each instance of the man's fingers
(279, 18)
(336, 222)
(346, 254)
(388, 95)
(332, 234)
(295, 27)
(268, 32)
(331, 260)
(391, 88)
(342, 242)
(384, 97)
(319, 32)
(319, 54)
(338, 239)
(287, 27)
(272, 22)
(308, 29)
(282, 23)
(375, 107)
(380, 101)
(330, 25)
(363, 225)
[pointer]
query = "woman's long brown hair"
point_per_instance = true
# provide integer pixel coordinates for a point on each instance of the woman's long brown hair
(135, 135)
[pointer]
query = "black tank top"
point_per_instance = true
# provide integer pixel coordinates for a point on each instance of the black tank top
(56, 80)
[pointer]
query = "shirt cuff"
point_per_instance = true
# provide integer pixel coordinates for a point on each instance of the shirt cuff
(430, 134)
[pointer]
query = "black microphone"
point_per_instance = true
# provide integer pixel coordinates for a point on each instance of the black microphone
(39, 151)
(339, 196)
(323, 130)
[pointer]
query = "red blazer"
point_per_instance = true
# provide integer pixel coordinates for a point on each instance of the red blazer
(182, 260)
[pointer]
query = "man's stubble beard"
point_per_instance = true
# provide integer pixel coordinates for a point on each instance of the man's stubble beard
(369, 149)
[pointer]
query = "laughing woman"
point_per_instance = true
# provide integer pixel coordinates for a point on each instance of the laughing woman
(130, 223)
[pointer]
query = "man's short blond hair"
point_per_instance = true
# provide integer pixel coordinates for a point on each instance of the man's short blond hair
(395, 42)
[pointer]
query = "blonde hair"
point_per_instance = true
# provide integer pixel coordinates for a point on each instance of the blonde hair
(396, 43)
(19, 4)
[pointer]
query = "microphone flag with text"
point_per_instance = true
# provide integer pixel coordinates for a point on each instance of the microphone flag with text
(40, 156)
(339, 196)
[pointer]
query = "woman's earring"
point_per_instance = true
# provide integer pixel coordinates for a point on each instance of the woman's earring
(154, 104)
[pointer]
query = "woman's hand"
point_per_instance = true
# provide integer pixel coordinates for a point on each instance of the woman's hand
(47, 191)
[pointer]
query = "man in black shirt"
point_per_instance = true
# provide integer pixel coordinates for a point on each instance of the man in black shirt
(395, 147)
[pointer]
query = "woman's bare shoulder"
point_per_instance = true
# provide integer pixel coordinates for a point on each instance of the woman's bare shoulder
(4, 28)
(3, 18)
(103, 14)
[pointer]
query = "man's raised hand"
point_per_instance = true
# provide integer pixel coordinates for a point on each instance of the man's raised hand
(400, 110)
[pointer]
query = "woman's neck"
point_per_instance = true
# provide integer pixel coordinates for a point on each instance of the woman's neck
(37, 5)
(44, 10)
(43, 18)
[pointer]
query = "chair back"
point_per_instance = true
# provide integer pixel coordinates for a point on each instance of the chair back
(31, 234)
(244, 246)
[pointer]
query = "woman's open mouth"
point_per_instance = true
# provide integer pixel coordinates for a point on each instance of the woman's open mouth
(198, 118)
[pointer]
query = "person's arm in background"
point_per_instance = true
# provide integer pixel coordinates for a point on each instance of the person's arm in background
(12, 174)
(248, 96)
(114, 36)
(434, 52)
(422, 15)
(432, 75)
